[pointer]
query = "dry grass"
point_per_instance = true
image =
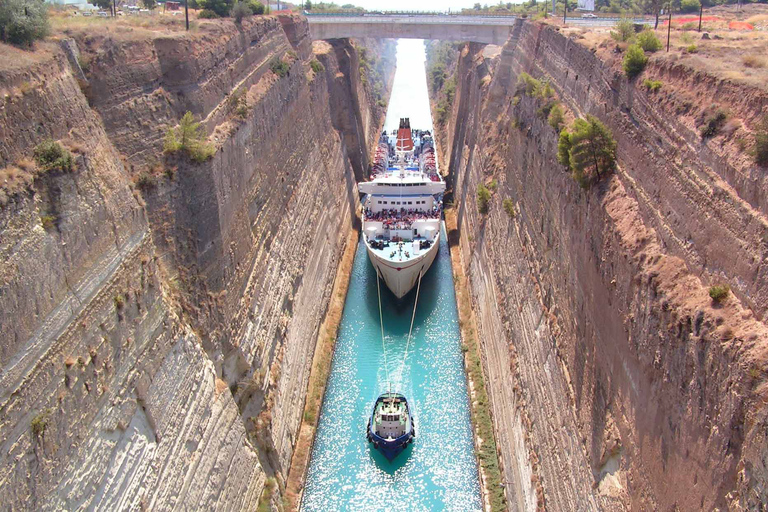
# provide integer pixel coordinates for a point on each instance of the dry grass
(65, 22)
(757, 19)
(753, 61)
(16, 179)
(321, 368)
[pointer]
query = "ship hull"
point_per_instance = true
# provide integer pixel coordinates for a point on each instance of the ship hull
(401, 277)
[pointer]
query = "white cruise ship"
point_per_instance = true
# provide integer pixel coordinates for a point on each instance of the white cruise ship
(402, 207)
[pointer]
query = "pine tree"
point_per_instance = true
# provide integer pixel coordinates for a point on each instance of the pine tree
(593, 150)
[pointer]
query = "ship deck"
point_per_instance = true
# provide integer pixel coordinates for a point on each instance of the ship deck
(394, 255)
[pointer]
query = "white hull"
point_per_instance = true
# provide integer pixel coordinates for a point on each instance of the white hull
(401, 277)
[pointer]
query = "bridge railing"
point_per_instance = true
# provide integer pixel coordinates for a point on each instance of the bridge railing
(403, 13)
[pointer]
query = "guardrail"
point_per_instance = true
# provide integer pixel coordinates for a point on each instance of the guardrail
(404, 13)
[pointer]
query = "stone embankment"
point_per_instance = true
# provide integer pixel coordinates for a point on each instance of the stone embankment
(158, 317)
(616, 382)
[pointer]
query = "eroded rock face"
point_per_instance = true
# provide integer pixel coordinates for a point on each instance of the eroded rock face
(615, 381)
(156, 344)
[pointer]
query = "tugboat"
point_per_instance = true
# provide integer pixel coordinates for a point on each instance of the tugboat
(391, 426)
(402, 207)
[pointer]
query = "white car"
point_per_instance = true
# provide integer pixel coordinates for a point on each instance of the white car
(102, 14)
(589, 15)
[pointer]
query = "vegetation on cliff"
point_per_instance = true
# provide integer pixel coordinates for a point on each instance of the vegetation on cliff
(441, 80)
(189, 137)
(588, 150)
(51, 156)
(483, 198)
(719, 292)
(634, 61)
(371, 71)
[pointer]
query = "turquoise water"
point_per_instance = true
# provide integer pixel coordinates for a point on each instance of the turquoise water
(438, 471)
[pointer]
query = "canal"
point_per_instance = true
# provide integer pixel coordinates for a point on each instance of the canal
(439, 471)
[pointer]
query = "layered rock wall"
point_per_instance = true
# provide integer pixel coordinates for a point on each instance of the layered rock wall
(615, 381)
(156, 339)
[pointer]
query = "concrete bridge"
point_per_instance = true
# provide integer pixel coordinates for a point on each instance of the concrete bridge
(480, 29)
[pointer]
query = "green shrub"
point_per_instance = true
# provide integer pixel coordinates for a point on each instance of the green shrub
(761, 143)
(219, 7)
(189, 137)
(648, 41)
(40, 423)
(625, 30)
(207, 14)
(564, 148)
(240, 10)
(713, 124)
(48, 222)
(545, 91)
(556, 117)
(119, 302)
(257, 8)
(634, 61)
(493, 185)
(51, 156)
(592, 152)
(528, 85)
(316, 66)
(690, 5)
(22, 22)
(509, 207)
(483, 199)
(238, 103)
(546, 108)
(719, 292)
(686, 38)
(145, 181)
(279, 67)
(652, 85)
(692, 49)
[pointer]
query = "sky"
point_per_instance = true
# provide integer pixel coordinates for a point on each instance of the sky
(409, 89)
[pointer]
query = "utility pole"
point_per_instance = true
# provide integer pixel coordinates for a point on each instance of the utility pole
(669, 26)
(186, 13)
(701, 13)
(565, 10)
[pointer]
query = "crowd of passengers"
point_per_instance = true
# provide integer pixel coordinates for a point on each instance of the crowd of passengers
(394, 218)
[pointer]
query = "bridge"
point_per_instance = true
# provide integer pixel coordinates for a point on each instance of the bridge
(449, 27)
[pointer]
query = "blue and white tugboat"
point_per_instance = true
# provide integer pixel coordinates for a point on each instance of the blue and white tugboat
(391, 427)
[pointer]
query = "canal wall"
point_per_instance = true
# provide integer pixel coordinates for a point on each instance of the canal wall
(158, 317)
(615, 381)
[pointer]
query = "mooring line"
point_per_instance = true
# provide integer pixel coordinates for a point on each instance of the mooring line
(383, 345)
(413, 316)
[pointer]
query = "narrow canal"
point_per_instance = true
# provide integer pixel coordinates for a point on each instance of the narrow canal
(439, 471)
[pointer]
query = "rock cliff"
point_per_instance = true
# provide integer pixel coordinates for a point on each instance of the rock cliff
(616, 382)
(158, 316)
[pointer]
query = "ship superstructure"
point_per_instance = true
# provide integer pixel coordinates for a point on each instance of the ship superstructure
(402, 208)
